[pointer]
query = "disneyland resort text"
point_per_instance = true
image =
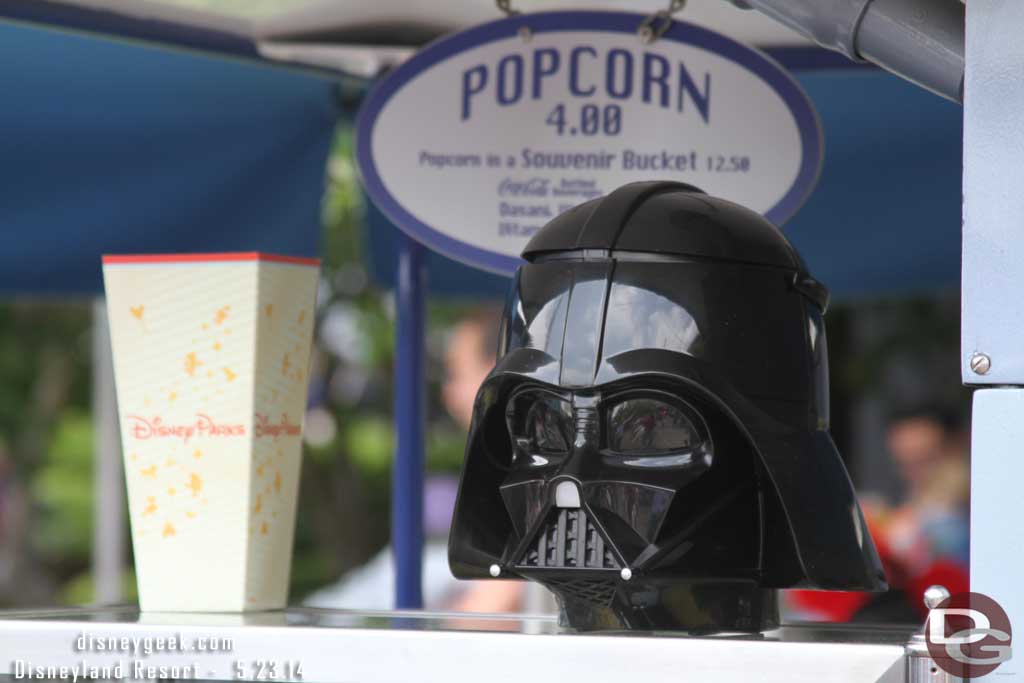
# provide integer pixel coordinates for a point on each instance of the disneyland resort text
(136, 670)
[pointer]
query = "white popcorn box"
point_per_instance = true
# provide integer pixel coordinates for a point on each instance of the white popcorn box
(211, 365)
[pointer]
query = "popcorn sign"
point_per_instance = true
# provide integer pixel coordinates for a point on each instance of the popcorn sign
(521, 131)
(211, 364)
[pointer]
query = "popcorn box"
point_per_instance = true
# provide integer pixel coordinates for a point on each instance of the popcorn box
(211, 364)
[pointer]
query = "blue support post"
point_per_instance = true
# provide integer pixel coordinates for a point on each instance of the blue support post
(407, 475)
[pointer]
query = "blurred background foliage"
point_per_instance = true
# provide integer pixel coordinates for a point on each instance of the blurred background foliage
(882, 352)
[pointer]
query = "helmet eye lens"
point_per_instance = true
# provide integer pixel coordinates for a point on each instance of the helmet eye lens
(647, 425)
(547, 423)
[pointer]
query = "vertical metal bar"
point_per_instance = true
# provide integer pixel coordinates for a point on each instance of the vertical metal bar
(993, 216)
(991, 305)
(108, 546)
(407, 475)
(997, 539)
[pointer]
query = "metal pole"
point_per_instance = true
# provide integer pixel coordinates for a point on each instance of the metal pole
(407, 475)
(108, 545)
(919, 40)
(992, 309)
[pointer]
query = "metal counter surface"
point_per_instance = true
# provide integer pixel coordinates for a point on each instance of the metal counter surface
(340, 646)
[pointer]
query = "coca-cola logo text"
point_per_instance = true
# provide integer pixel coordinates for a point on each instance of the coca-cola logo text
(265, 428)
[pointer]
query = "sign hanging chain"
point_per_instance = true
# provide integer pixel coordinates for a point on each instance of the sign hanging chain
(654, 26)
(505, 7)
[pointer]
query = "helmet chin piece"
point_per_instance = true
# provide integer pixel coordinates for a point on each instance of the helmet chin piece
(652, 444)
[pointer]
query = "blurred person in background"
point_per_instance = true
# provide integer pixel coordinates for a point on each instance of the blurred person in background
(372, 585)
(930, 447)
(924, 540)
(469, 357)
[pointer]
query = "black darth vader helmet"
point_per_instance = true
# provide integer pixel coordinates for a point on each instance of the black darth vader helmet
(653, 442)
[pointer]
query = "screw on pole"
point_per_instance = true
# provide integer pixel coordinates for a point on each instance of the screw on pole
(981, 364)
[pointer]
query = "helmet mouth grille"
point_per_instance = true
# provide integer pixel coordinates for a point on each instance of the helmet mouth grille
(590, 590)
(568, 539)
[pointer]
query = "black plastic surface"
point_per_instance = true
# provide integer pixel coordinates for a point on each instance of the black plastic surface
(669, 219)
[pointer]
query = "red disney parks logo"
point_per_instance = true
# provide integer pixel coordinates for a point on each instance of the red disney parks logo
(968, 635)
(203, 426)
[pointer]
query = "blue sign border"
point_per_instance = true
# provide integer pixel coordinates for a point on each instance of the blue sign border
(755, 61)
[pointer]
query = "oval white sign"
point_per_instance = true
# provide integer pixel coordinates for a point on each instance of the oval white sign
(483, 137)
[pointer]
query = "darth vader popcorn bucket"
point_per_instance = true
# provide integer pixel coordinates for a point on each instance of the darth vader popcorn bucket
(652, 445)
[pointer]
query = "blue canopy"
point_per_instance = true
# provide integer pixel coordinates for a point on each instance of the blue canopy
(119, 147)
(113, 147)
